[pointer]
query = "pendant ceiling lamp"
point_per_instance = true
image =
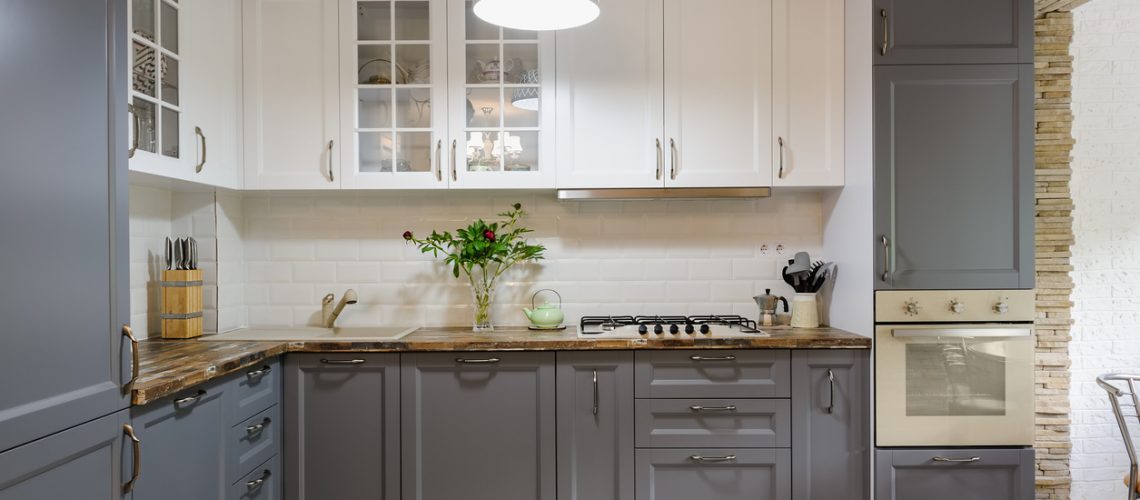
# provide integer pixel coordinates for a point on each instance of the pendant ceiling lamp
(537, 15)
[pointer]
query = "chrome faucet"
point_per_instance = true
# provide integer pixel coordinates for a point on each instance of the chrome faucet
(329, 313)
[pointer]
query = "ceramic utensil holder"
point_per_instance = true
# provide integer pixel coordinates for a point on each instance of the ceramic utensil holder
(181, 313)
(805, 311)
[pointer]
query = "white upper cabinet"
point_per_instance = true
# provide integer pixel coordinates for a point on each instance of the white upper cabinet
(291, 94)
(160, 143)
(214, 117)
(393, 93)
(718, 93)
(809, 93)
(611, 128)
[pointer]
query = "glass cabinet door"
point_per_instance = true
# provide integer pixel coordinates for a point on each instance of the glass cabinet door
(501, 103)
(394, 93)
(155, 80)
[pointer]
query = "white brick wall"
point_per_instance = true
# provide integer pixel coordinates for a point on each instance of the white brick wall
(1106, 257)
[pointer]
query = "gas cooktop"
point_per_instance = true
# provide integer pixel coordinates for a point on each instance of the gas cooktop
(666, 327)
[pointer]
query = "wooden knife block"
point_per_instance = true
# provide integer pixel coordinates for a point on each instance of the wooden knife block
(181, 313)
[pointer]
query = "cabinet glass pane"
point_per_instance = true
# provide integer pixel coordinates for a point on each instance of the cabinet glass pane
(413, 21)
(413, 108)
(373, 21)
(169, 128)
(956, 378)
(520, 151)
(170, 79)
(513, 34)
(478, 29)
(520, 62)
(413, 153)
(412, 64)
(522, 107)
(483, 65)
(484, 152)
(169, 20)
(375, 108)
(143, 70)
(142, 19)
(375, 151)
(484, 108)
(374, 63)
(144, 110)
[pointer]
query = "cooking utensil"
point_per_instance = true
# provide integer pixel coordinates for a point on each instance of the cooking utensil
(186, 253)
(177, 254)
(193, 244)
(169, 253)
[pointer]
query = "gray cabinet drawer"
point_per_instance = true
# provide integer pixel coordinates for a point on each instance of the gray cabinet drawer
(263, 483)
(953, 474)
(253, 389)
(713, 374)
(253, 441)
(723, 474)
(713, 423)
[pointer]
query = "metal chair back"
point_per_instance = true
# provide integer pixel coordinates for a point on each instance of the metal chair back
(1115, 395)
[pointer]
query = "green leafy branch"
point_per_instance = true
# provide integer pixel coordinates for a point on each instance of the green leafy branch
(491, 247)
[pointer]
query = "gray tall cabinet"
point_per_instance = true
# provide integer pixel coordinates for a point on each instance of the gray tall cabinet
(63, 258)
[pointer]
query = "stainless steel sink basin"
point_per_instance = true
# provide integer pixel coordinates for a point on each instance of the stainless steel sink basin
(316, 334)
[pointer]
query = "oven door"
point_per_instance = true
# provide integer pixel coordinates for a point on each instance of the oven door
(954, 385)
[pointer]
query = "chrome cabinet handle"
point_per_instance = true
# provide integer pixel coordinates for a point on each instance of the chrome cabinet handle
(672, 159)
(136, 460)
(439, 160)
(957, 460)
(257, 428)
(356, 361)
(831, 390)
(261, 372)
(595, 391)
(330, 148)
(780, 141)
(886, 32)
(198, 167)
(660, 160)
(886, 258)
(454, 159)
(129, 334)
(726, 458)
(712, 358)
(136, 122)
(699, 408)
(256, 483)
(190, 399)
(478, 361)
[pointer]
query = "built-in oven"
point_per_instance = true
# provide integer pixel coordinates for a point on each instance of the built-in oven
(954, 368)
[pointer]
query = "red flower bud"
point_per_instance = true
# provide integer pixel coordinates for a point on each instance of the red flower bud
(407, 235)
(489, 234)
(518, 206)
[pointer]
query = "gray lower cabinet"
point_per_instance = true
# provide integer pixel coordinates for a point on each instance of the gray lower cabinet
(478, 426)
(738, 373)
(959, 32)
(954, 474)
(182, 443)
(262, 483)
(830, 414)
(82, 462)
(717, 423)
(954, 177)
(595, 425)
(713, 474)
(343, 426)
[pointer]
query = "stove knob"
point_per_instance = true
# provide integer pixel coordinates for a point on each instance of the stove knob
(705, 329)
(658, 329)
(957, 307)
(674, 329)
(1001, 307)
(912, 307)
(642, 329)
(689, 328)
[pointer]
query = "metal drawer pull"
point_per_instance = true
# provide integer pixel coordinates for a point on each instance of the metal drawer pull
(190, 399)
(886, 258)
(261, 372)
(961, 332)
(257, 428)
(477, 361)
(726, 458)
(699, 408)
(831, 391)
(660, 160)
(780, 141)
(136, 460)
(439, 161)
(137, 123)
(957, 460)
(129, 334)
(330, 147)
(713, 358)
(595, 391)
(886, 32)
(198, 167)
(454, 168)
(672, 159)
(256, 483)
(356, 361)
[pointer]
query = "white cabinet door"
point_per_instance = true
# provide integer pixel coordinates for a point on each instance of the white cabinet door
(393, 91)
(809, 74)
(291, 90)
(718, 93)
(611, 99)
(213, 87)
(160, 141)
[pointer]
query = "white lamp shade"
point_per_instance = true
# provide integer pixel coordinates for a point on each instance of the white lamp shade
(537, 15)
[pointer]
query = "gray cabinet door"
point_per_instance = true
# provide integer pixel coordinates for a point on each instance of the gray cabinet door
(830, 405)
(729, 423)
(342, 437)
(478, 426)
(182, 446)
(960, 32)
(713, 474)
(954, 177)
(595, 425)
(79, 463)
(985, 474)
(63, 203)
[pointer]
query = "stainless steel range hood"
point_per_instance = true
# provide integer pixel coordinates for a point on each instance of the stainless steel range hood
(662, 193)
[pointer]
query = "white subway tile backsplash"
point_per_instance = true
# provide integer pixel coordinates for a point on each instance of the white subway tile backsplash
(314, 272)
(358, 272)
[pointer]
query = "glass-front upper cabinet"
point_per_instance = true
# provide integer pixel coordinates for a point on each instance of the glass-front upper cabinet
(393, 93)
(501, 103)
(156, 107)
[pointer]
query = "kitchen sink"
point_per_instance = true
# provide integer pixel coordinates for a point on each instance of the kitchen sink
(317, 334)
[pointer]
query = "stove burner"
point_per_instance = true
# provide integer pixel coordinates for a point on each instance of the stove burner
(605, 323)
(658, 324)
(746, 325)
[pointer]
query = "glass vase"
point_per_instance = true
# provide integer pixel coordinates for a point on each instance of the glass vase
(483, 292)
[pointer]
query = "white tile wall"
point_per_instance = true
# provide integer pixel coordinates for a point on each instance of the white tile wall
(1106, 257)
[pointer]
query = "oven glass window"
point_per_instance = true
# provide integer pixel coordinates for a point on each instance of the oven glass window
(955, 377)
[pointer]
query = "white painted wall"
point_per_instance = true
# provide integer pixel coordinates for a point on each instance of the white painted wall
(1106, 257)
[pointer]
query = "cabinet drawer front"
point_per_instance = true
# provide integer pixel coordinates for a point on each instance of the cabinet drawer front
(713, 374)
(932, 474)
(263, 483)
(722, 423)
(720, 473)
(254, 389)
(252, 442)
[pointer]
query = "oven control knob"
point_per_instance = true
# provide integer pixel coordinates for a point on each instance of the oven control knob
(1001, 307)
(689, 328)
(642, 329)
(912, 307)
(957, 307)
(658, 329)
(674, 329)
(705, 329)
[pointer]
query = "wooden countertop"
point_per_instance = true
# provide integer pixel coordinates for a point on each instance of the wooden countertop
(168, 366)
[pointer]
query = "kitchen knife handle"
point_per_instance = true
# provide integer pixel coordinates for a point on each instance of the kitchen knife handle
(830, 391)
(330, 148)
(130, 335)
(136, 459)
(886, 32)
(886, 258)
(198, 167)
(595, 391)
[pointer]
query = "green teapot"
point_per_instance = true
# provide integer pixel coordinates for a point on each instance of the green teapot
(547, 315)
